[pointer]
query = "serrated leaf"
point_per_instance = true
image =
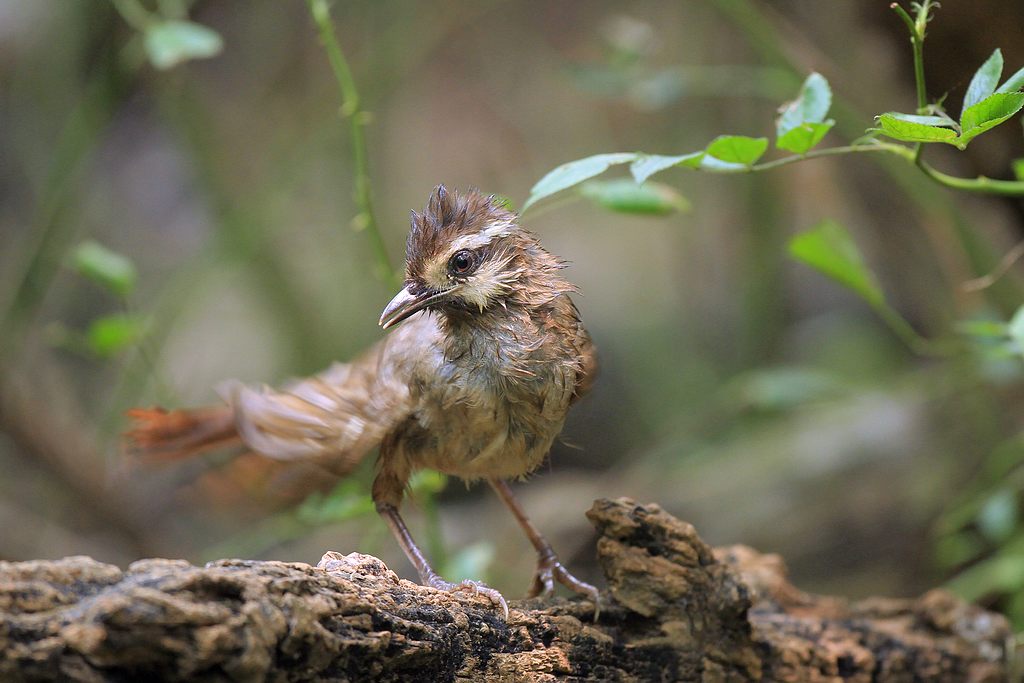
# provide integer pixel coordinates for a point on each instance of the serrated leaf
(626, 196)
(810, 106)
(1013, 83)
(926, 120)
(829, 249)
(988, 114)
(737, 150)
(897, 126)
(647, 165)
(574, 173)
(109, 335)
(171, 42)
(105, 267)
(804, 137)
(985, 80)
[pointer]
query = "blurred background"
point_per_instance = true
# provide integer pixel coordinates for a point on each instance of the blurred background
(742, 391)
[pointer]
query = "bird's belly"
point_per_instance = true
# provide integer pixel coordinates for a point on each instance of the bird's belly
(478, 442)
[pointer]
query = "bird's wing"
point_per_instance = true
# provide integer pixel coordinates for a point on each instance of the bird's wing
(586, 352)
(335, 417)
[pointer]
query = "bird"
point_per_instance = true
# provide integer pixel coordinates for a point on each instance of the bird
(485, 354)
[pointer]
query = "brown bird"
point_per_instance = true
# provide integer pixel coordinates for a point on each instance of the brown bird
(476, 383)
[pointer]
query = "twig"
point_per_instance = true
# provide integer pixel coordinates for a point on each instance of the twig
(986, 281)
(350, 108)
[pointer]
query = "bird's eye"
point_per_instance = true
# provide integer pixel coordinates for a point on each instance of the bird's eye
(462, 262)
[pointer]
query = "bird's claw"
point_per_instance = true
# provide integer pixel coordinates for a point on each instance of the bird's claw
(468, 586)
(549, 570)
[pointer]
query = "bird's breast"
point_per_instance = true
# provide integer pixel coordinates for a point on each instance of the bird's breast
(487, 405)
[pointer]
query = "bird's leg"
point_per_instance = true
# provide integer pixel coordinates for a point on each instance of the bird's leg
(549, 568)
(383, 494)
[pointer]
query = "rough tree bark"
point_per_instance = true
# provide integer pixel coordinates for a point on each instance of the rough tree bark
(675, 609)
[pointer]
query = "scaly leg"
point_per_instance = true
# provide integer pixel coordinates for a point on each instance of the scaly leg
(428, 577)
(549, 568)
(384, 490)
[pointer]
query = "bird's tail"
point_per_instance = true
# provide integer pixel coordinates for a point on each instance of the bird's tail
(158, 434)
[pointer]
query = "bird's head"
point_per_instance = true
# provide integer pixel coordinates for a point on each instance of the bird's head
(465, 254)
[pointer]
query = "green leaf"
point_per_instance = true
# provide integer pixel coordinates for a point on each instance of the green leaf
(1015, 330)
(783, 388)
(574, 173)
(804, 137)
(427, 482)
(647, 165)
(346, 501)
(810, 106)
(829, 249)
(470, 562)
(984, 329)
(109, 335)
(1018, 169)
(957, 549)
(988, 114)
(626, 196)
(1000, 573)
(107, 268)
(985, 80)
(898, 127)
(734, 151)
(169, 43)
(997, 518)
(503, 202)
(1013, 83)
(926, 120)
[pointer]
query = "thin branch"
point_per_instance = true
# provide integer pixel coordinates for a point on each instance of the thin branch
(986, 281)
(350, 108)
(916, 29)
(980, 184)
(828, 152)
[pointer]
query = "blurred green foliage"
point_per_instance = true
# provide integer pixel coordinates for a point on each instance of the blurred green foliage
(978, 534)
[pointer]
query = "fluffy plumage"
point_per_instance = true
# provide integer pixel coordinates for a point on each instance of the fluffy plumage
(475, 383)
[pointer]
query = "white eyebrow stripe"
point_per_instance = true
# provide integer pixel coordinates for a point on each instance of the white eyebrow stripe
(481, 239)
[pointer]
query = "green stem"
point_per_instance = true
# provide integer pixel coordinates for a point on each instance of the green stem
(134, 14)
(919, 345)
(52, 230)
(828, 152)
(917, 44)
(980, 184)
(916, 28)
(350, 107)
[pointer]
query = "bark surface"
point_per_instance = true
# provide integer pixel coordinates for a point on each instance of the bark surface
(674, 609)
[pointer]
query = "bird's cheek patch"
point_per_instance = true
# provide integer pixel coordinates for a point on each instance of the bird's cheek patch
(487, 284)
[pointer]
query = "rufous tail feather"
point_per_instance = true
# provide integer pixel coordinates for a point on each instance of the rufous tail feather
(160, 434)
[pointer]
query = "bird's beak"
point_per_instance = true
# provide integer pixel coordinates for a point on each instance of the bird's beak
(405, 304)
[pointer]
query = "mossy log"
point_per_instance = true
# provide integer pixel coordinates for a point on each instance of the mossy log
(674, 609)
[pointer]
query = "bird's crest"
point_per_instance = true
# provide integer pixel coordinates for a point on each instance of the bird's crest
(450, 218)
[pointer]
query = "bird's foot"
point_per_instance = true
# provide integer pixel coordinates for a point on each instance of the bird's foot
(549, 570)
(468, 586)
